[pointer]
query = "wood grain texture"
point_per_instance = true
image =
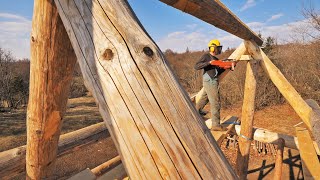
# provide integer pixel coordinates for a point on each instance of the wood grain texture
(278, 79)
(51, 69)
(13, 161)
(216, 13)
(150, 117)
(247, 115)
(309, 158)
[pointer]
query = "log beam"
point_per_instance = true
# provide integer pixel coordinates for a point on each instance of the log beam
(217, 14)
(247, 116)
(51, 69)
(151, 119)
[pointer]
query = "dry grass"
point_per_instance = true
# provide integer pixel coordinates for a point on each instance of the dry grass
(81, 112)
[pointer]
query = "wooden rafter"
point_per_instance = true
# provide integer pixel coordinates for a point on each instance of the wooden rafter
(217, 14)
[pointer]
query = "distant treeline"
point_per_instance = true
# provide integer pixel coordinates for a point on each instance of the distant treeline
(299, 63)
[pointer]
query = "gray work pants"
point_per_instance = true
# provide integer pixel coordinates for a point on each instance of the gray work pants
(211, 94)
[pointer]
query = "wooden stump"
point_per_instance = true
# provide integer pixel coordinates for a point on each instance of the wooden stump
(51, 69)
(156, 129)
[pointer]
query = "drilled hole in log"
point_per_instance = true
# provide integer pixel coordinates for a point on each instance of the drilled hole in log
(148, 51)
(107, 54)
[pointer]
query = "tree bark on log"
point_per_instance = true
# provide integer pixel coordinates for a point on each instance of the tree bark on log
(13, 161)
(154, 125)
(286, 89)
(51, 69)
(246, 133)
(217, 14)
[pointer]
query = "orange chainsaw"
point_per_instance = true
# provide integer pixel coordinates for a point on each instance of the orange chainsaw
(224, 63)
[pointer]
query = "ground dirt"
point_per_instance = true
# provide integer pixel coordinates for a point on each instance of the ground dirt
(83, 112)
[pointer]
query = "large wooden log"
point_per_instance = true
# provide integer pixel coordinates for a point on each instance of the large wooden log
(247, 115)
(51, 69)
(267, 136)
(156, 129)
(13, 161)
(217, 14)
(286, 89)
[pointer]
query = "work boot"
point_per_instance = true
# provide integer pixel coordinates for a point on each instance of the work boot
(218, 128)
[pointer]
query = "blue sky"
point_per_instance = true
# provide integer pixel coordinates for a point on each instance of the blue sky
(171, 28)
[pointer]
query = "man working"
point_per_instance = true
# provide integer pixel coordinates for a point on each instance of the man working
(212, 69)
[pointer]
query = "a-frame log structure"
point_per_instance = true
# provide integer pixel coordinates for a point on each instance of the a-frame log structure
(156, 129)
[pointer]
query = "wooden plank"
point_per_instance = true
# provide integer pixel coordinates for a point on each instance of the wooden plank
(156, 129)
(309, 158)
(266, 136)
(216, 13)
(278, 79)
(13, 161)
(107, 166)
(246, 133)
(51, 70)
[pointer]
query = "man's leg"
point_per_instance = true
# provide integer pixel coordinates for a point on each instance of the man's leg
(203, 100)
(211, 87)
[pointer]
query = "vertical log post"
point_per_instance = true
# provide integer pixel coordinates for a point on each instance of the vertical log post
(246, 134)
(52, 64)
(279, 160)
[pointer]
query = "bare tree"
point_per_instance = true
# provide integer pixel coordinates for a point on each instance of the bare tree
(312, 15)
(14, 77)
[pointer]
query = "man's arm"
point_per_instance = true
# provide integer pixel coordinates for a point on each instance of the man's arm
(202, 63)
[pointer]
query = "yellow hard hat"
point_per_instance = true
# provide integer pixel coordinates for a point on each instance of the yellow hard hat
(214, 42)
